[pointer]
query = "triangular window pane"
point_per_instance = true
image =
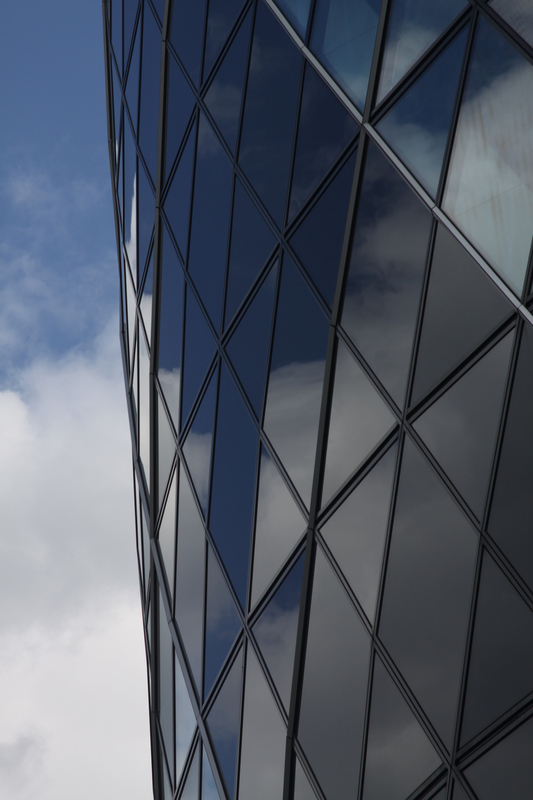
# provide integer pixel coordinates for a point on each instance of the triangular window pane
(221, 17)
(222, 623)
(185, 720)
(302, 787)
(209, 789)
(187, 34)
(170, 328)
(146, 219)
(223, 722)
(167, 533)
(166, 449)
(180, 105)
(507, 769)
(177, 203)
(198, 353)
(199, 443)
(166, 684)
(191, 788)
(149, 113)
(297, 12)
(132, 81)
(146, 299)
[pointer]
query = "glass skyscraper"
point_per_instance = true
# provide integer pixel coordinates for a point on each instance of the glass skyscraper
(324, 215)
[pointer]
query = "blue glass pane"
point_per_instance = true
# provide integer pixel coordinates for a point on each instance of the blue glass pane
(318, 240)
(130, 15)
(130, 201)
(210, 220)
(116, 31)
(223, 722)
(179, 109)
(170, 327)
(146, 218)
(297, 12)
(342, 37)
(166, 450)
(160, 8)
(187, 34)
(251, 244)
(132, 81)
(222, 623)
(167, 533)
(198, 444)
(177, 203)
(221, 18)
(270, 112)
(209, 789)
(324, 130)
(149, 112)
(198, 353)
(233, 484)
(417, 126)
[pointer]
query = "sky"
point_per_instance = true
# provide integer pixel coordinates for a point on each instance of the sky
(73, 695)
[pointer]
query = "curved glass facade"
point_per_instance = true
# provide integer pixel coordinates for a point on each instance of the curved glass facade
(324, 214)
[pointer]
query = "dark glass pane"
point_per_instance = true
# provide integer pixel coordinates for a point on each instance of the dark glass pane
(177, 203)
(209, 789)
(190, 577)
(501, 662)
(334, 688)
(279, 525)
(190, 791)
(343, 36)
(198, 444)
(302, 787)
(428, 590)
(167, 532)
(297, 12)
(187, 34)
(399, 756)
(146, 219)
(510, 518)
(160, 8)
(276, 630)
(417, 126)
(116, 31)
(221, 18)
(488, 191)
(318, 240)
(166, 685)
(233, 484)
(223, 721)
(198, 353)
(263, 738)
(249, 347)
(179, 109)
(413, 26)
(132, 81)
(210, 220)
(130, 15)
(149, 113)
(170, 327)
(270, 112)
(324, 130)
(185, 720)
(251, 244)
(386, 270)
(460, 427)
(462, 307)
(458, 792)
(166, 450)
(518, 14)
(356, 533)
(222, 623)
(224, 97)
(359, 419)
(507, 769)
(296, 374)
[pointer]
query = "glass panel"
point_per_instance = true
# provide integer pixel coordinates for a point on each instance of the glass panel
(167, 786)
(130, 15)
(187, 34)
(144, 407)
(249, 347)
(160, 8)
(334, 689)
(191, 789)
(270, 112)
(180, 106)
(276, 629)
(297, 12)
(149, 113)
(222, 623)
(463, 306)
(233, 484)
(279, 525)
(296, 374)
(489, 193)
(221, 18)
(413, 26)
(132, 85)
(146, 300)
(459, 793)
(198, 353)
(167, 533)
(302, 787)
(130, 300)
(460, 427)
(263, 739)
(185, 720)
(116, 30)
(145, 534)
(343, 36)
(177, 203)
(166, 685)
(170, 328)
(501, 662)
(145, 219)
(223, 722)
(318, 240)
(507, 769)
(519, 14)
(386, 270)
(166, 449)
(324, 130)
(359, 419)
(199, 442)
(356, 532)
(417, 126)
(428, 590)
(210, 220)
(209, 789)
(190, 576)
(130, 202)
(399, 756)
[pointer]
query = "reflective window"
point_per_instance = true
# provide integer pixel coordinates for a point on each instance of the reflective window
(146, 299)
(199, 442)
(198, 353)
(221, 16)
(177, 203)
(149, 111)
(191, 788)
(166, 685)
(132, 80)
(180, 104)
(458, 792)
(144, 407)
(116, 30)
(185, 720)
(167, 533)
(222, 623)
(297, 12)
(145, 220)
(507, 769)
(160, 8)
(170, 327)
(209, 789)
(302, 787)
(130, 15)
(518, 14)
(187, 34)
(130, 201)
(223, 721)
(166, 450)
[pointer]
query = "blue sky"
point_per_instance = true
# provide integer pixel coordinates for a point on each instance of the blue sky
(72, 674)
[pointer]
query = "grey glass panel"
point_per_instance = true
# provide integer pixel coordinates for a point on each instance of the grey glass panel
(167, 786)
(251, 244)
(501, 662)
(187, 34)
(318, 240)
(519, 15)
(263, 739)
(459, 793)
(279, 525)
(144, 407)
(221, 16)
(417, 126)
(270, 111)
(210, 220)
(132, 81)
(343, 36)
(166, 685)
(249, 347)
(462, 307)
(275, 631)
(356, 533)
(510, 517)
(177, 203)
(413, 26)
(296, 374)
(198, 353)
(399, 756)
(386, 269)
(145, 220)
(324, 130)
(198, 444)
(359, 418)
(191, 788)
(180, 105)
(145, 535)
(146, 300)
(302, 787)
(507, 769)
(460, 427)
(209, 789)
(190, 577)
(334, 688)
(233, 484)
(489, 193)
(132, 322)
(222, 623)
(223, 721)
(428, 589)
(167, 533)
(149, 111)
(185, 720)
(166, 450)
(170, 328)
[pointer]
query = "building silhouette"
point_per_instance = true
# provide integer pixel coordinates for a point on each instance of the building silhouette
(324, 214)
